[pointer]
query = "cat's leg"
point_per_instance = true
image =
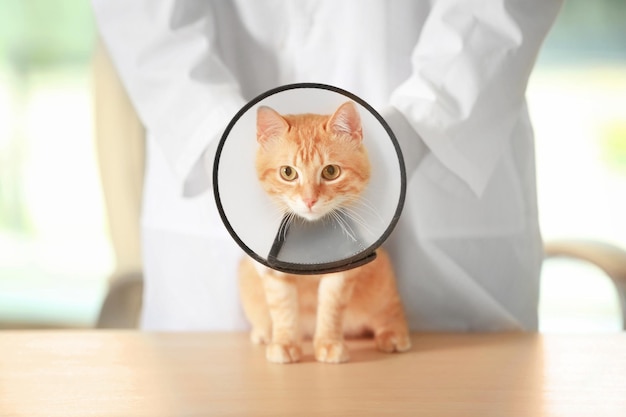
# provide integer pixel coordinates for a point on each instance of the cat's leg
(282, 300)
(391, 331)
(261, 335)
(252, 295)
(334, 294)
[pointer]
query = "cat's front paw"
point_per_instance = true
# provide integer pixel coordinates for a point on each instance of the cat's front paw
(260, 337)
(390, 341)
(283, 353)
(331, 351)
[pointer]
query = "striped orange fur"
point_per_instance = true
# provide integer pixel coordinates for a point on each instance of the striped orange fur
(311, 165)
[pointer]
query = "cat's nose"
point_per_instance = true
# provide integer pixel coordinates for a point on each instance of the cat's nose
(309, 202)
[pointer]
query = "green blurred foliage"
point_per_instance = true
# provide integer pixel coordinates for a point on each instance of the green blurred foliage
(614, 145)
(35, 35)
(43, 33)
(586, 32)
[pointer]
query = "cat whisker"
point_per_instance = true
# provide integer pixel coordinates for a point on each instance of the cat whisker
(289, 217)
(278, 210)
(282, 230)
(354, 214)
(343, 224)
(362, 203)
(363, 214)
(356, 218)
(366, 203)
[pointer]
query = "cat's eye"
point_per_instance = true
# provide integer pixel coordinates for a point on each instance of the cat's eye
(288, 173)
(331, 172)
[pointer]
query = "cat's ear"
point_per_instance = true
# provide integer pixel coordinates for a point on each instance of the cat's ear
(346, 121)
(269, 124)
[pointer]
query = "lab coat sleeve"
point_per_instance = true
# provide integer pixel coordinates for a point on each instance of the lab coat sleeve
(165, 55)
(470, 69)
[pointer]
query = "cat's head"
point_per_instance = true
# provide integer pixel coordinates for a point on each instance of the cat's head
(311, 164)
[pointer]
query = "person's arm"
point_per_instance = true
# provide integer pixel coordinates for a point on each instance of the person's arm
(184, 95)
(467, 89)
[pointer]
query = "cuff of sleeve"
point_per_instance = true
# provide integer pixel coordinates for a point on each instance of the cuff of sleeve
(469, 150)
(194, 165)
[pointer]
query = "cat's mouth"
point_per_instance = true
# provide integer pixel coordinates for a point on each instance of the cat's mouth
(311, 216)
(308, 212)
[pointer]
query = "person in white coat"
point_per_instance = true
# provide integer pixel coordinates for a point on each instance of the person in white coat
(449, 76)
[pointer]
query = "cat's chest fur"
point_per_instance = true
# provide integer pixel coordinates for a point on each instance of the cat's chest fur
(369, 282)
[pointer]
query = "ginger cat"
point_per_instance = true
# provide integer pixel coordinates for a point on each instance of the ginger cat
(312, 165)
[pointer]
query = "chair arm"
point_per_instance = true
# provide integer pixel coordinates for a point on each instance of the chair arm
(122, 305)
(609, 258)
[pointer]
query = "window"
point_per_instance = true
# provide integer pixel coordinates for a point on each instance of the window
(577, 99)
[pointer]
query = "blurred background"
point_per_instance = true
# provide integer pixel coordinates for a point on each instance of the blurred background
(55, 247)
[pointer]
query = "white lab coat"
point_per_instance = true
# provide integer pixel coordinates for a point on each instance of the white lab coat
(467, 249)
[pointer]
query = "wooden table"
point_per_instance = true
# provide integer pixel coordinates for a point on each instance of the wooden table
(116, 373)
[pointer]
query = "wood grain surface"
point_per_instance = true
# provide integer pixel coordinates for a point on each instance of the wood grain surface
(126, 373)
